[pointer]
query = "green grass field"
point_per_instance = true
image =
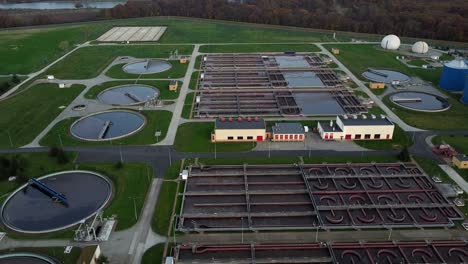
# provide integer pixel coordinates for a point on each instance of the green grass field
(153, 255)
(187, 105)
(460, 143)
(178, 70)
(89, 62)
(417, 62)
(156, 121)
(194, 80)
(28, 50)
(163, 87)
(357, 58)
(27, 114)
(360, 57)
(291, 160)
(195, 137)
(258, 48)
(454, 118)
(132, 180)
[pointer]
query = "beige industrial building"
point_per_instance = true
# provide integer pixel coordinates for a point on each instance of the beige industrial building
(287, 132)
(239, 130)
(357, 128)
(460, 161)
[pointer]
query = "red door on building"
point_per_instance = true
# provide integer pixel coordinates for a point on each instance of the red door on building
(259, 138)
(348, 137)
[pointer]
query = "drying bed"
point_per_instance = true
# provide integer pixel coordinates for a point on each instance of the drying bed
(335, 196)
(32, 210)
(420, 101)
(147, 66)
(363, 253)
(133, 34)
(108, 125)
(129, 94)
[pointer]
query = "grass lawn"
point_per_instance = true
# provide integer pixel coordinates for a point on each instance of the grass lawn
(163, 87)
(132, 180)
(198, 62)
(357, 58)
(57, 253)
(163, 212)
(418, 62)
(453, 119)
(28, 50)
(178, 70)
(399, 141)
(460, 143)
(88, 62)
(27, 114)
(154, 254)
(378, 91)
(187, 105)
(195, 137)
(165, 205)
(291, 160)
(156, 121)
(194, 80)
(238, 48)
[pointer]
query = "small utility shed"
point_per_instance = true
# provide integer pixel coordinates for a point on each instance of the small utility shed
(288, 132)
(239, 130)
(460, 161)
(173, 85)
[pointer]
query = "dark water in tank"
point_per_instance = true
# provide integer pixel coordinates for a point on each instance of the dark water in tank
(128, 94)
(32, 210)
(121, 123)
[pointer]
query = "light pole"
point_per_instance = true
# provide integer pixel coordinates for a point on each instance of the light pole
(9, 137)
(170, 158)
(390, 234)
(120, 150)
(316, 235)
(215, 149)
(134, 206)
(269, 149)
(60, 139)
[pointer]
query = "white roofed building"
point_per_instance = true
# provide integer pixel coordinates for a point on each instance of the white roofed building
(357, 128)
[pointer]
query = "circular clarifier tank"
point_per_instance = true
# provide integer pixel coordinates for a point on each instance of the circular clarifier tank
(385, 76)
(420, 101)
(56, 201)
(108, 125)
(147, 67)
(131, 94)
(25, 258)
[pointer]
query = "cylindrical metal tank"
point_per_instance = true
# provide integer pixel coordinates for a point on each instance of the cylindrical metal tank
(453, 75)
(465, 92)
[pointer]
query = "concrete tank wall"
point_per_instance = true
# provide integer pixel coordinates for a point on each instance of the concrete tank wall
(453, 79)
(465, 92)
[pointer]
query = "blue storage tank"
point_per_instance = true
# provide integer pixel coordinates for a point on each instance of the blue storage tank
(465, 92)
(453, 75)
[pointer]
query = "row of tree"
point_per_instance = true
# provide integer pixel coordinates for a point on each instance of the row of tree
(433, 19)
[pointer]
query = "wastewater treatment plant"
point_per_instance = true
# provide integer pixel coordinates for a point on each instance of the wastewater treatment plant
(176, 140)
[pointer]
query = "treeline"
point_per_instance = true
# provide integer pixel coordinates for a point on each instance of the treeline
(434, 19)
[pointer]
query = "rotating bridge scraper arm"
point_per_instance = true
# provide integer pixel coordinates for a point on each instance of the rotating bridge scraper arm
(48, 191)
